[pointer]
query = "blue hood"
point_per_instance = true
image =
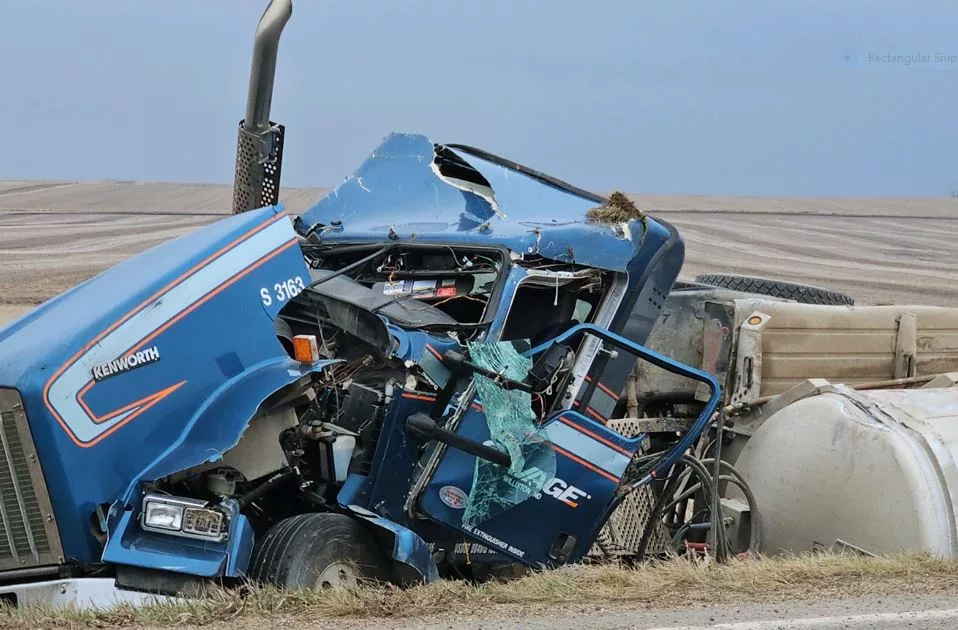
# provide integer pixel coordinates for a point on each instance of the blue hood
(32, 344)
(120, 374)
(411, 188)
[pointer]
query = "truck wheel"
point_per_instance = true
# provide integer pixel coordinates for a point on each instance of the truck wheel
(317, 551)
(777, 288)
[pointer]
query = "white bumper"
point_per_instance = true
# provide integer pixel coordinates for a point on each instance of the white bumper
(77, 593)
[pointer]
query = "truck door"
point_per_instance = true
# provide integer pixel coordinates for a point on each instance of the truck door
(556, 480)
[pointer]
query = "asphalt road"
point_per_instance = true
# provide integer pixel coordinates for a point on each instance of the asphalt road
(916, 612)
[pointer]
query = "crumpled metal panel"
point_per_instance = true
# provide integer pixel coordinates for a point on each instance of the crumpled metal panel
(398, 193)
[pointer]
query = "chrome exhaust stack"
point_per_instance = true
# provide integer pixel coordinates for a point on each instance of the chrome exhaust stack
(259, 145)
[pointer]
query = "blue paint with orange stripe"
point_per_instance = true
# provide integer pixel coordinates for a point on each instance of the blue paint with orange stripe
(197, 299)
(578, 486)
(528, 522)
(659, 360)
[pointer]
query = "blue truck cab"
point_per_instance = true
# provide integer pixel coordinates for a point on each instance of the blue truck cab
(426, 357)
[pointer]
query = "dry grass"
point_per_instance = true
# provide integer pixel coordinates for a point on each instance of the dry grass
(618, 209)
(663, 585)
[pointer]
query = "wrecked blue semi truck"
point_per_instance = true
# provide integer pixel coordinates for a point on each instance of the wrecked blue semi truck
(424, 360)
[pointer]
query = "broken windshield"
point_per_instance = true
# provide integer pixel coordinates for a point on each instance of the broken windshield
(513, 429)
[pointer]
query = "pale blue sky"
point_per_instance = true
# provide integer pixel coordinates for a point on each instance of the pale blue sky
(751, 97)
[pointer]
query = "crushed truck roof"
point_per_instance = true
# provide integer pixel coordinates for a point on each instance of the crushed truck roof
(411, 188)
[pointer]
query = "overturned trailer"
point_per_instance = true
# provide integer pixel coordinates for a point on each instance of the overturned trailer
(839, 418)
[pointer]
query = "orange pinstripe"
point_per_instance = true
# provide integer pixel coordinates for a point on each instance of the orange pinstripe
(595, 436)
(149, 401)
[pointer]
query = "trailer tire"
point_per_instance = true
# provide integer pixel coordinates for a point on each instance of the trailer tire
(317, 550)
(802, 293)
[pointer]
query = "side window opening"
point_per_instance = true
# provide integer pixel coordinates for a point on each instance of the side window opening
(544, 307)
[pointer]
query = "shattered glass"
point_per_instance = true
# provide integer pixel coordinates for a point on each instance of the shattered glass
(513, 429)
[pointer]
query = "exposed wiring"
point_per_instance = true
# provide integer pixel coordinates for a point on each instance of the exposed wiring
(606, 545)
(542, 406)
(706, 484)
(755, 532)
(717, 533)
(694, 467)
(460, 297)
(654, 518)
(332, 376)
(351, 266)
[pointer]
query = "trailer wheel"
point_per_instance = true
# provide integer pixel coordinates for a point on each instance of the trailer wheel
(317, 551)
(776, 288)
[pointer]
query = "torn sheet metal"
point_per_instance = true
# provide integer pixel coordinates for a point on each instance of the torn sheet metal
(411, 188)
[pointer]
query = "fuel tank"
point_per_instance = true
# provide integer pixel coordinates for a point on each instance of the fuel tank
(873, 471)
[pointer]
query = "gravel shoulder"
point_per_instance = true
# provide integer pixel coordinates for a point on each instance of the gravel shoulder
(802, 592)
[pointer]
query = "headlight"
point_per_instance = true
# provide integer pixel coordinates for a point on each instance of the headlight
(181, 516)
(164, 516)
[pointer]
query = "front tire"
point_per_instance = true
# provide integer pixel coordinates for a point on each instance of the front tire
(317, 551)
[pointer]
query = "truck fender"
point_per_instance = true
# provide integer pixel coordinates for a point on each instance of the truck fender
(214, 428)
(404, 546)
(221, 420)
